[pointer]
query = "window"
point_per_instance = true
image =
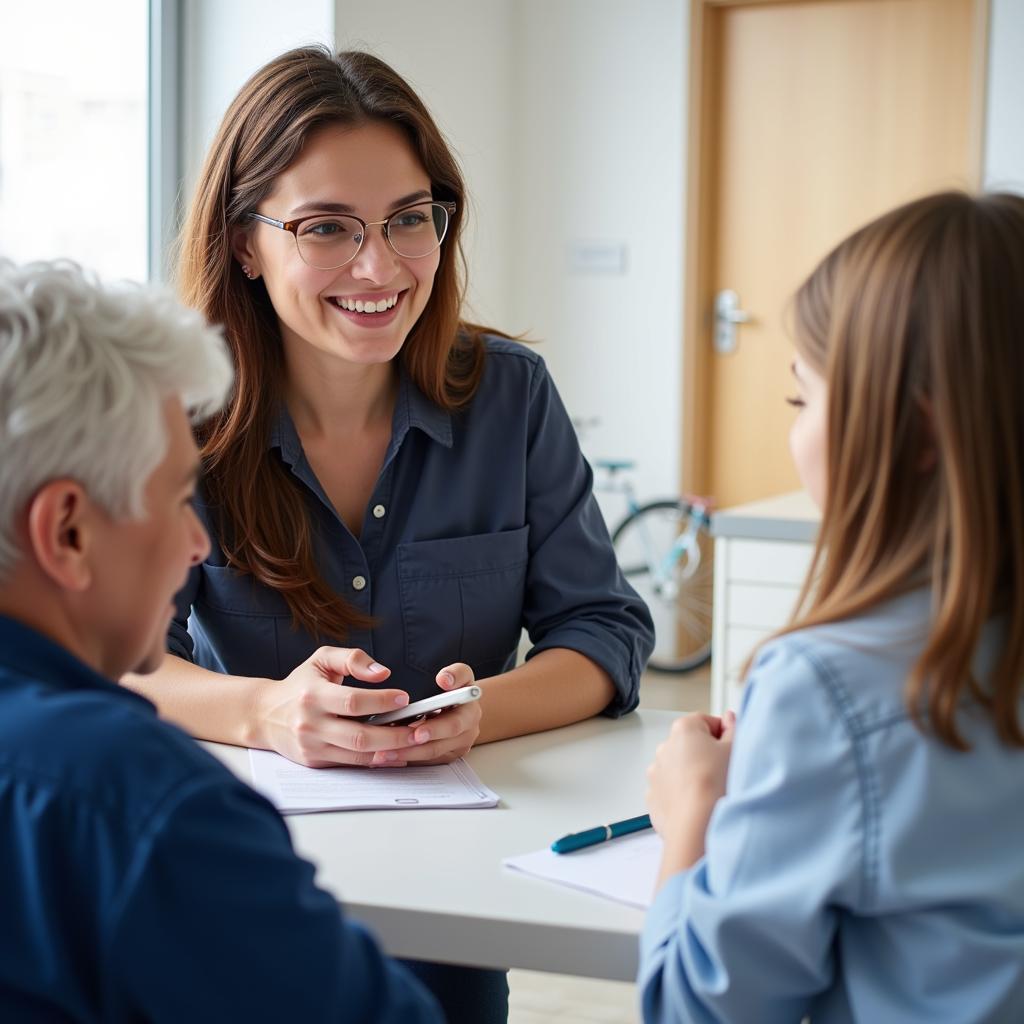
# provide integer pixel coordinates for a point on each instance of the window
(74, 99)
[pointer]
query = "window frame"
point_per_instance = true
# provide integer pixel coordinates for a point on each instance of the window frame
(164, 160)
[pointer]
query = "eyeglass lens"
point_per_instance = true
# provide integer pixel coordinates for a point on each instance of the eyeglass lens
(328, 242)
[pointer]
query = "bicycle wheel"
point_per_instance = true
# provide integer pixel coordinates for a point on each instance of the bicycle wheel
(664, 550)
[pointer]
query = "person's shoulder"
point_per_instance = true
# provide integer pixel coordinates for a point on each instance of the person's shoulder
(785, 667)
(514, 374)
(857, 665)
(105, 753)
(793, 720)
(512, 369)
(507, 354)
(498, 346)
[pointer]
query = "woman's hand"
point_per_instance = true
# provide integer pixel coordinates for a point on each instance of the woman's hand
(310, 718)
(446, 736)
(685, 781)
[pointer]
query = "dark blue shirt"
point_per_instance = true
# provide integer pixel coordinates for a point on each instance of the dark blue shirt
(481, 522)
(140, 880)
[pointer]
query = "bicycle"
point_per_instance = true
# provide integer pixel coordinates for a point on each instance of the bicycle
(664, 549)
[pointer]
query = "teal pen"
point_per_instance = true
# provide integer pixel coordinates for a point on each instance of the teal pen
(578, 840)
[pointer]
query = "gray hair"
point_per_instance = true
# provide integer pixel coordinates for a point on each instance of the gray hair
(85, 369)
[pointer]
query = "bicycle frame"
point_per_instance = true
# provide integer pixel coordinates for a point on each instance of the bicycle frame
(661, 546)
(685, 545)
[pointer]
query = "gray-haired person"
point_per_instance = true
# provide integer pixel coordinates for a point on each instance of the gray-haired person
(139, 880)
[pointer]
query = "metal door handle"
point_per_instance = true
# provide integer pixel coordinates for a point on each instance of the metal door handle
(727, 315)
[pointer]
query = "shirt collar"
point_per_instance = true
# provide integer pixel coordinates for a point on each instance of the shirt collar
(28, 653)
(412, 409)
(283, 435)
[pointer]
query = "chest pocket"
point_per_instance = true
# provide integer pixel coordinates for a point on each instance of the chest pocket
(462, 599)
(237, 624)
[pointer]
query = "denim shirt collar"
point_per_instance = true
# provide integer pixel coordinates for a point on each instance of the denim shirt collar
(29, 654)
(412, 409)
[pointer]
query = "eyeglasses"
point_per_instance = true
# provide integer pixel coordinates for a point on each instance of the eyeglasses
(329, 241)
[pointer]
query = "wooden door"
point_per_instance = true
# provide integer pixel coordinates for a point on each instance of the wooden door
(807, 119)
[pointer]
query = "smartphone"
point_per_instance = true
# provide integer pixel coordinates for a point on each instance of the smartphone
(419, 709)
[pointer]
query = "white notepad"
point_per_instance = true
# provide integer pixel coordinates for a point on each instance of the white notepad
(624, 870)
(294, 789)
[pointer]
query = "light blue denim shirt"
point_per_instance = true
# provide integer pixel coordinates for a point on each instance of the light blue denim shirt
(855, 870)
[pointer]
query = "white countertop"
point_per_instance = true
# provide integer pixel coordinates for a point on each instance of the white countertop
(430, 883)
(789, 517)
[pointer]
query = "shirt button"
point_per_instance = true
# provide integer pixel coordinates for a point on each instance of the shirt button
(358, 582)
(378, 511)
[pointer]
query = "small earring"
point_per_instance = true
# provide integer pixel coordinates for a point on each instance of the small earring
(247, 270)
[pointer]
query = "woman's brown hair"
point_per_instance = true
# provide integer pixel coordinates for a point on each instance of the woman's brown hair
(265, 529)
(914, 322)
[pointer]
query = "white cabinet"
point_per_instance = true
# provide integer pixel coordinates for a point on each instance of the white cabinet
(762, 553)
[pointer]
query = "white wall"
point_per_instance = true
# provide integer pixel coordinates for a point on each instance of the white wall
(223, 43)
(601, 86)
(459, 57)
(1004, 129)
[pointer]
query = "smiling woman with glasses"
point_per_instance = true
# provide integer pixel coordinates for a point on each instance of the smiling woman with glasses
(387, 475)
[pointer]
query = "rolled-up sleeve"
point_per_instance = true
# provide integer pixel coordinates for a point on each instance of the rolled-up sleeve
(576, 596)
(746, 934)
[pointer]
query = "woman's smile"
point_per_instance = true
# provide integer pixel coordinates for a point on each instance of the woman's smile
(368, 310)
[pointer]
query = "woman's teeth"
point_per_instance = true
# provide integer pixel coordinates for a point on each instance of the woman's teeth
(359, 306)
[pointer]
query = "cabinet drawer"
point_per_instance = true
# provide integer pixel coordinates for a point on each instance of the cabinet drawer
(769, 561)
(740, 641)
(759, 605)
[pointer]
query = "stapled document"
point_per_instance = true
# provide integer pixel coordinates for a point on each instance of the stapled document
(295, 789)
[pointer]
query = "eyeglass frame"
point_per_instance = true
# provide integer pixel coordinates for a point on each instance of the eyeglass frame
(292, 227)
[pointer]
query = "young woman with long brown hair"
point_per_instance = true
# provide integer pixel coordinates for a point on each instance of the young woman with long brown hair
(863, 860)
(386, 476)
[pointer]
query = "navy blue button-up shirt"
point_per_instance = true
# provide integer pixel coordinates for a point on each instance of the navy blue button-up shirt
(140, 880)
(481, 523)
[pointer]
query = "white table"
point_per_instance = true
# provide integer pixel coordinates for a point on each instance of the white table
(431, 885)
